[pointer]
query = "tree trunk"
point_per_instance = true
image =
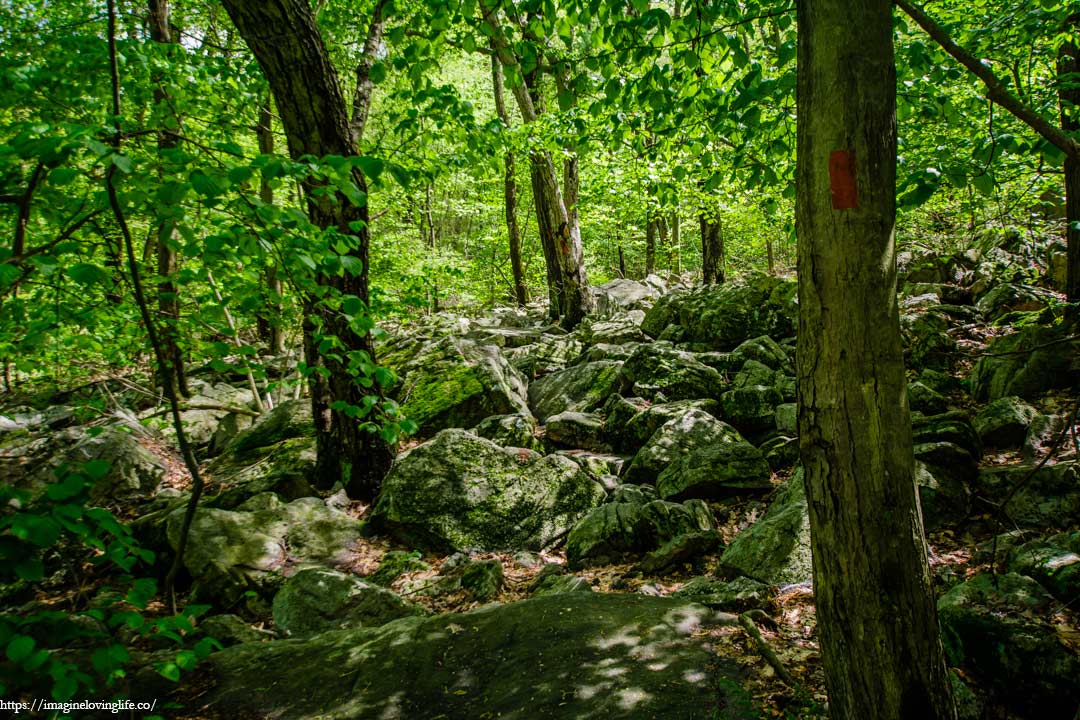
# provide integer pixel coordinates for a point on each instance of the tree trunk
(547, 240)
(556, 213)
(876, 616)
(652, 227)
(270, 331)
(676, 242)
(285, 39)
(521, 291)
(712, 248)
(167, 261)
(1069, 99)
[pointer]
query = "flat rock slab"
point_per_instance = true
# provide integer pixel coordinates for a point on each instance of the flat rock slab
(574, 656)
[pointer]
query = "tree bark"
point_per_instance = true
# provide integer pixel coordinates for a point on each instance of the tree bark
(285, 39)
(676, 242)
(876, 616)
(712, 248)
(555, 213)
(652, 227)
(521, 291)
(270, 330)
(1069, 100)
(167, 260)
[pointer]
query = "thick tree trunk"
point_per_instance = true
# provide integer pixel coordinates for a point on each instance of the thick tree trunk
(270, 331)
(712, 249)
(1069, 99)
(521, 291)
(167, 261)
(876, 615)
(285, 39)
(546, 231)
(676, 242)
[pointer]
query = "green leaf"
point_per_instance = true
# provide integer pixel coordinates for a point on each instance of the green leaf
(69, 487)
(62, 176)
(352, 264)
(371, 166)
(89, 274)
(169, 671)
(20, 648)
(123, 163)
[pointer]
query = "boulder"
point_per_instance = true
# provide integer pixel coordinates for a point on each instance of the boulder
(720, 317)
(1054, 561)
(457, 383)
(677, 437)
(679, 551)
(618, 330)
(629, 434)
(738, 595)
(944, 495)
(1029, 362)
(751, 409)
(231, 552)
(924, 399)
(1011, 297)
(1004, 422)
(510, 431)
(623, 295)
(578, 388)
(318, 599)
(926, 340)
(727, 465)
(577, 430)
(618, 530)
(776, 549)
(207, 410)
(552, 580)
(572, 656)
(394, 564)
(1050, 497)
(551, 353)
(291, 419)
(658, 371)
(460, 491)
(787, 419)
(951, 427)
(766, 351)
(991, 624)
(286, 468)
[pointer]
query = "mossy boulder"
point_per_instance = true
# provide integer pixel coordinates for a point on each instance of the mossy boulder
(992, 625)
(318, 599)
(460, 491)
(776, 549)
(1004, 422)
(618, 530)
(632, 422)
(726, 466)
(1028, 362)
(394, 564)
(752, 408)
(286, 468)
(291, 419)
(659, 372)
(1050, 497)
(577, 430)
(679, 436)
(578, 388)
(688, 549)
(720, 317)
(231, 552)
(951, 427)
(1054, 561)
(566, 656)
(623, 295)
(510, 431)
(457, 383)
(550, 354)
(737, 595)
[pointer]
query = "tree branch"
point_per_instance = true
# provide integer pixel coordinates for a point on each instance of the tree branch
(364, 86)
(996, 90)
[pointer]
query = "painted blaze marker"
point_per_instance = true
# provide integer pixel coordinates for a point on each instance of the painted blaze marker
(842, 180)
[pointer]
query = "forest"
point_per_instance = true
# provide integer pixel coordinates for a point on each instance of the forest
(569, 359)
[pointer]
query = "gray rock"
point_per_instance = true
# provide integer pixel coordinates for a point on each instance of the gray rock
(230, 630)
(677, 437)
(658, 369)
(989, 624)
(630, 434)
(616, 331)
(725, 466)
(621, 295)
(1042, 434)
(553, 584)
(573, 656)
(1049, 498)
(1053, 561)
(619, 530)
(721, 317)
(579, 388)
(923, 398)
(787, 419)
(318, 599)
(738, 595)
(286, 468)
(780, 452)
(776, 549)
(551, 353)
(510, 431)
(483, 579)
(766, 351)
(1004, 422)
(457, 383)
(926, 341)
(943, 495)
(751, 409)
(459, 491)
(577, 430)
(951, 427)
(231, 552)
(1031, 361)
(685, 549)
(1009, 297)
(291, 419)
